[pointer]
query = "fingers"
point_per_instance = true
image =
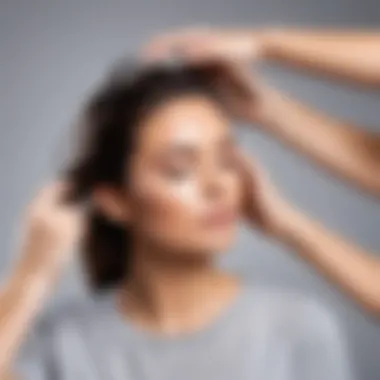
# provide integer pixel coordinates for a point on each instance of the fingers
(206, 46)
(51, 191)
(236, 83)
(190, 44)
(249, 186)
(251, 170)
(237, 80)
(55, 193)
(244, 165)
(163, 47)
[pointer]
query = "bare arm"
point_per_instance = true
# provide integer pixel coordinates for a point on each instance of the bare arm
(20, 301)
(345, 150)
(354, 270)
(340, 147)
(52, 228)
(351, 268)
(351, 55)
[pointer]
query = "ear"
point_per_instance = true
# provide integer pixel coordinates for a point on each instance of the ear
(112, 204)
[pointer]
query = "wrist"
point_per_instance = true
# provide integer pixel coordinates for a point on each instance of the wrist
(270, 41)
(256, 43)
(288, 225)
(29, 287)
(265, 106)
(34, 277)
(38, 265)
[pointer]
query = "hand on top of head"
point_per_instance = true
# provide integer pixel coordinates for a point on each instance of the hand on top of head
(228, 53)
(206, 43)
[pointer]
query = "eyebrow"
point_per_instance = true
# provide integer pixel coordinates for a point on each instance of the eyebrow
(190, 150)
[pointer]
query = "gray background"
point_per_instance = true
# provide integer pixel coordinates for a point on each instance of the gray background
(51, 52)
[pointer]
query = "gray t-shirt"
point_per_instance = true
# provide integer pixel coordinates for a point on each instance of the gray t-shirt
(265, 334)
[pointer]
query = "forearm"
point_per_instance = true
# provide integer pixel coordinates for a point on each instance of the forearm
(347, 151)
(354, 270)
(345, 54)
(20, 301)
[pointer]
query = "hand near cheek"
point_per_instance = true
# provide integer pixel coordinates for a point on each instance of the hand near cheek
(52, 226)
(263, 206)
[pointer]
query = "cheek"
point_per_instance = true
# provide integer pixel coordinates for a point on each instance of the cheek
(168, 213)
(165, 207)
(234, 190)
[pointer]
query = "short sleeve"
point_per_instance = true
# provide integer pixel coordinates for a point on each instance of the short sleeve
(321, 352)
(33, 361)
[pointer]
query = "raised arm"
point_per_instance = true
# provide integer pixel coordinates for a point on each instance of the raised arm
(351, 268)
(50, 231)
(352, 55)
(340, 147)
(20, 301)
(346, 150)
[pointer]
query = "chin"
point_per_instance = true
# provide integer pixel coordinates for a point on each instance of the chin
(219, 243)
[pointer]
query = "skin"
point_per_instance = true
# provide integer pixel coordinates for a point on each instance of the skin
(184, 174)
(162, 295)
(329, 52)
(340, 147)
(325, 52)
(187, 187)
(350, 151)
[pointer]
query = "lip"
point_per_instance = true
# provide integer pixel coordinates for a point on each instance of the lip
(219, 218)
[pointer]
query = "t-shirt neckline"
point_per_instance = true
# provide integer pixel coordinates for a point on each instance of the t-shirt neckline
(220, 322)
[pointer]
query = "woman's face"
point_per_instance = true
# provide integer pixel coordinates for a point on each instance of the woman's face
(184, 190)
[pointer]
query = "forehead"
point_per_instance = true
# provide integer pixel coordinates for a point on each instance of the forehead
(191, 119)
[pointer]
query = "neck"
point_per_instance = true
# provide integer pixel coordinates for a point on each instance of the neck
(172, 294)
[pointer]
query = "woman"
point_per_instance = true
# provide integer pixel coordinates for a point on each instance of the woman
(164, 188)
(350, 152)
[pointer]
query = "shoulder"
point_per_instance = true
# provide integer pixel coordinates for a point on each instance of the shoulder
(78, 321)
(81, 312)
(295, 312)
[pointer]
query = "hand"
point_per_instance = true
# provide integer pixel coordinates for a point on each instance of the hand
(204, 44)
(263, 206)
(230, 52)
(243, 94)
(52, 227)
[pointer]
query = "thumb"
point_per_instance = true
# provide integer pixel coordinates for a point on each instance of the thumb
(257, 185)
(249, 171)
